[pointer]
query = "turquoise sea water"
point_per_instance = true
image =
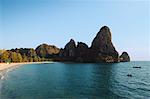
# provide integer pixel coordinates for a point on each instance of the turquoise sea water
(77, 80)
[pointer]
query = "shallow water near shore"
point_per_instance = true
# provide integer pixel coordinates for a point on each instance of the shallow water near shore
(77, 80)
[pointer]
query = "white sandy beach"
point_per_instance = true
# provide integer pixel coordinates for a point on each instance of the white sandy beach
(4, 66)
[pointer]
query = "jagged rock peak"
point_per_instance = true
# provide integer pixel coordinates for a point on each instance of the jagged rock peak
(102, 41)
(124, 57)
(70, 45)
(82, 45)
(103, 46)
(72, 40)
(105, 28)
(105, 31)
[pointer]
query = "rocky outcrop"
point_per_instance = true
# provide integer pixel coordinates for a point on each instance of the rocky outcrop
(47, 51)
(124, 57)
(69, 52)
(101, 50)
(103, 47)
(82, 52)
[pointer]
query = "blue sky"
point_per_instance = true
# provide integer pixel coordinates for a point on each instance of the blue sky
(28, 23)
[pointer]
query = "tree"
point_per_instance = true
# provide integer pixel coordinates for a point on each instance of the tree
(19, 57)
(24, 58)
(35, 59)
(15, 57)
(30, 59)
(39, 59)
(32, 53)
(4, 56)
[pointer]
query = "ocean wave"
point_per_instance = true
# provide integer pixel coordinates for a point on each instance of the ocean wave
(144, 89)
(2, 77)
(3, 73)
(141, 83)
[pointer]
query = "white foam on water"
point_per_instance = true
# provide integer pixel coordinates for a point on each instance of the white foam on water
(2, 77)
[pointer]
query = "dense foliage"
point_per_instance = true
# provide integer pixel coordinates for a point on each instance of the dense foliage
(47, 51)
(42, 53)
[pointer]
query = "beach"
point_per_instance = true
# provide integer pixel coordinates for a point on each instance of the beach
(4, 66)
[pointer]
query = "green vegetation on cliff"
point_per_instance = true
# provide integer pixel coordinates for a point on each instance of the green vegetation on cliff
(43, 52)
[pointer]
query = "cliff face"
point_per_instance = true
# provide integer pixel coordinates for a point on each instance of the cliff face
(46, 51)
(101, 50)
(68, 53)
(103, 47)
(82, 53)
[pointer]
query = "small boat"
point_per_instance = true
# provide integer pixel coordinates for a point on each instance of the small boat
(137, 67)
(129, 75)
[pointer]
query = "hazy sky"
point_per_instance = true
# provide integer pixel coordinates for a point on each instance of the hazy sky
(28, 23)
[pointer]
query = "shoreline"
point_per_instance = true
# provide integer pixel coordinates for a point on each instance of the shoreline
(5, 66)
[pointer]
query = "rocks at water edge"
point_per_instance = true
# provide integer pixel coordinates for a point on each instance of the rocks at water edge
(124, 57)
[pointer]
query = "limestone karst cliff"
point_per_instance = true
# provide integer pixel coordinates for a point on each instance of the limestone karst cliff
(47, 51)
(101, 50)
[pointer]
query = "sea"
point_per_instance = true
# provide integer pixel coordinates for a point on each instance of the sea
(60, 80)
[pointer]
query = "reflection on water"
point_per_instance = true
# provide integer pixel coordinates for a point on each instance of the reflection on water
(77, 80)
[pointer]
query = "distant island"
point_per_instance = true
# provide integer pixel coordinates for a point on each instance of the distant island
(101, 50)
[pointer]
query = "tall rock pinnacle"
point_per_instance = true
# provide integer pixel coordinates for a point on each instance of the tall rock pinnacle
(102, 44)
